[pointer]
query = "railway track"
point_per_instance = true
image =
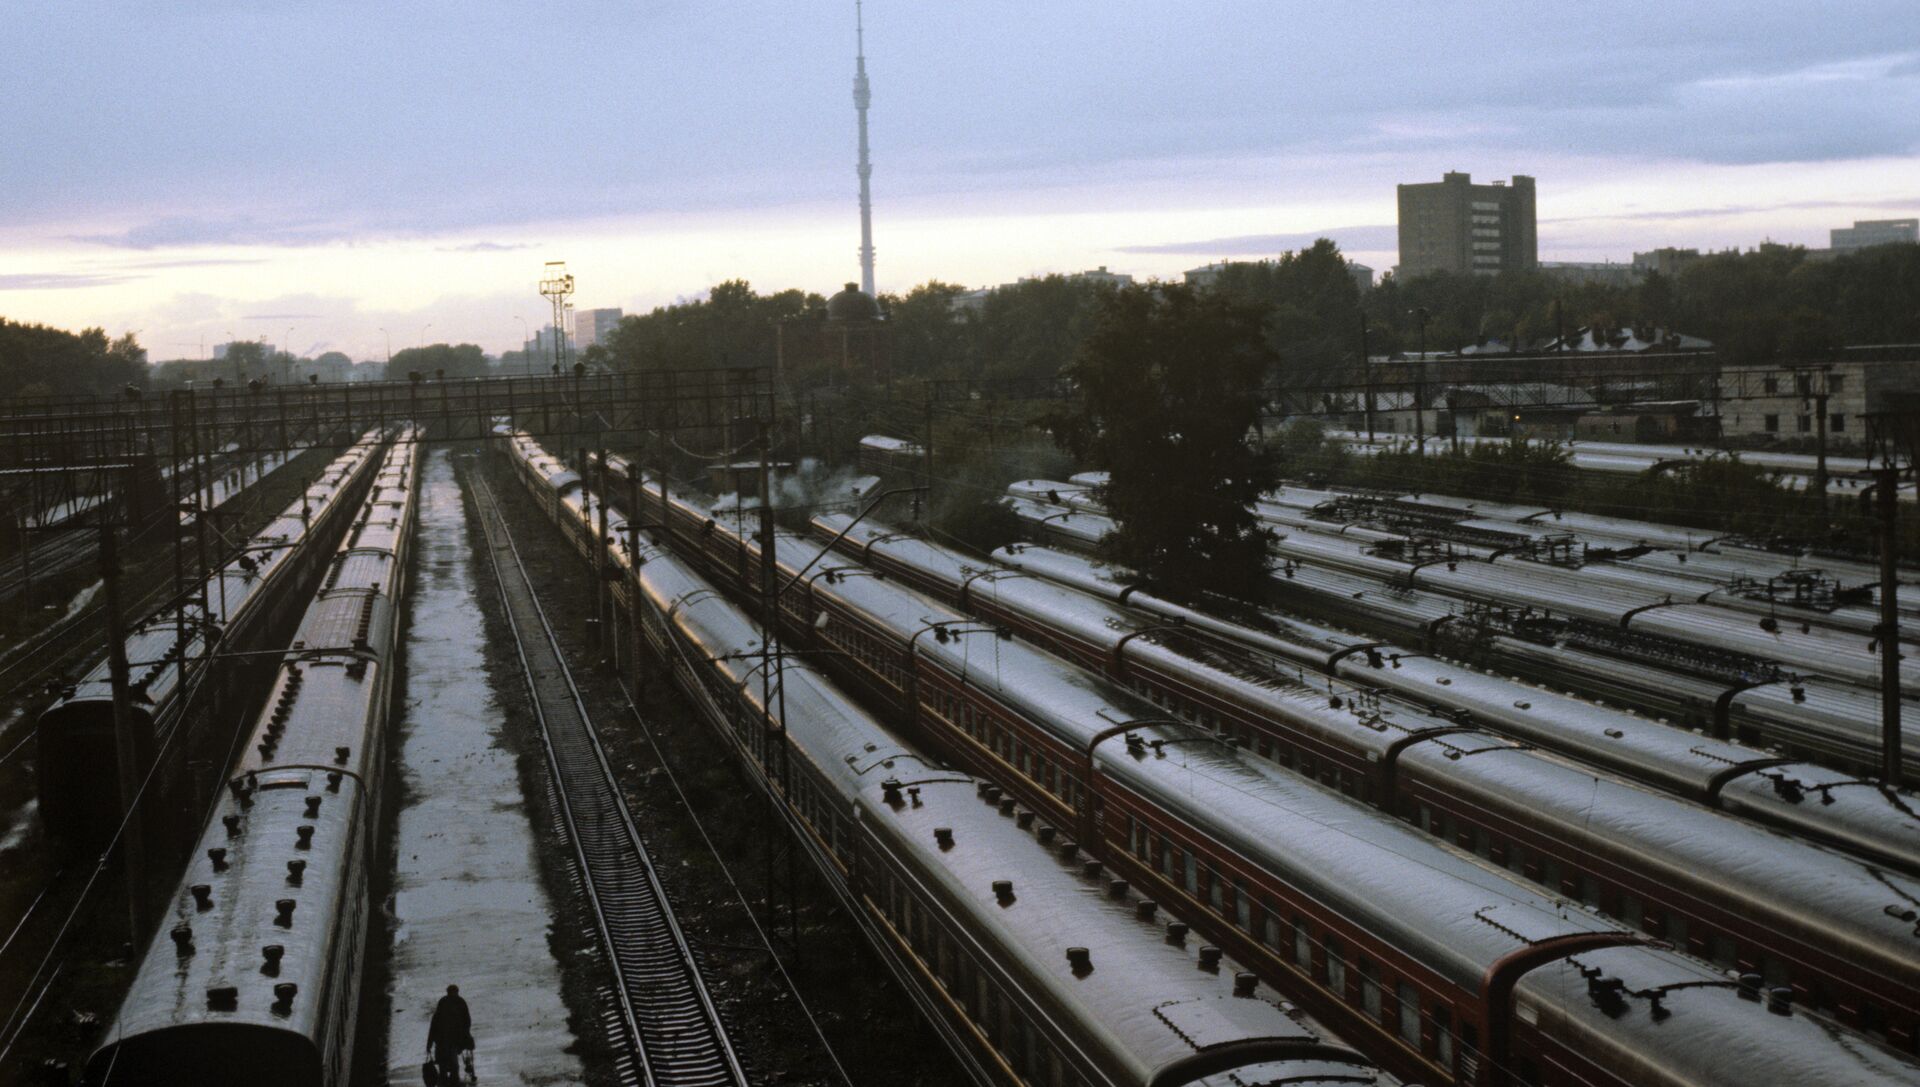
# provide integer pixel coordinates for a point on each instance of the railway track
(672, 1028)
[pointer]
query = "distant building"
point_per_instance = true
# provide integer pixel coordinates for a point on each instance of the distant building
(1098, 275)
(1454, 225)
(1592, 271)
(590, 326)
(1362, 276)
(975, 301)
(849, 336)
(1208, 274)
(1779, 401)
(540, 349)
(971, 301)
(1866, 232)
(1667, 261)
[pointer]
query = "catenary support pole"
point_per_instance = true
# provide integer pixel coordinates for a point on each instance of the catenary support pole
(1887, 502)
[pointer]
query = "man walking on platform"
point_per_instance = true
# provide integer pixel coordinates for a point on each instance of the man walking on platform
(450, 1034)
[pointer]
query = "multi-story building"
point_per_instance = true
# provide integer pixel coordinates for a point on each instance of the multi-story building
(1362, 276)
(1666, 261)
(590, 326)
(1866, 232)
(1606, 273)
(1454, 225)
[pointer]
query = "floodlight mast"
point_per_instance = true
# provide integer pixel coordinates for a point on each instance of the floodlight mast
(556, 283)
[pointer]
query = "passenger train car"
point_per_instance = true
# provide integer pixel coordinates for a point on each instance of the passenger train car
(1726, 691)
(1427, 959)
(1748, 899)
(260, 592)
(1855, 814)
(255, 975)
(1033, 963)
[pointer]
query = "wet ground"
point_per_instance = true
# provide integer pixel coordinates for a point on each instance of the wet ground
(468, 907)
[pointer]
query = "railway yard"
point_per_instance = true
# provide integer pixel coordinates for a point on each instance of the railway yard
(679, 794)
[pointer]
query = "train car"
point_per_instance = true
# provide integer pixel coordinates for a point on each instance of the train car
(884, 456)
(1261, 861)
(1665, 865)
(255, 973)
(251, 600)
(1034, 967)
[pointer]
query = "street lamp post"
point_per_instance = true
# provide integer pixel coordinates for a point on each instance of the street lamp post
(389, 337)
(423, 333)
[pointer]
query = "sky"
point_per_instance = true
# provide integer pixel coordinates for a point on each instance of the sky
(347, 175)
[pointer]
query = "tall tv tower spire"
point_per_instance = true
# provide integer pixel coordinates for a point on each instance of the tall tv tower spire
(862, 95)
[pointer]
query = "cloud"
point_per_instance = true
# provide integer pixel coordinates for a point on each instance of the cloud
(284, 316)
(485, 247)
(1372, 236)
(1726, 210)
(187, 231)
(61, 281)
(200, 262)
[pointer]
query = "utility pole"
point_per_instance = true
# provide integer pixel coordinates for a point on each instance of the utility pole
(1887, 504)
(1820, 425)
(130, 748)
(1366, 372)
(1420, 384)
(602, 605)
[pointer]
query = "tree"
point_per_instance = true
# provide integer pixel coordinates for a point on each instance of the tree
(39, 361)
(438, 361)
(1170, 391)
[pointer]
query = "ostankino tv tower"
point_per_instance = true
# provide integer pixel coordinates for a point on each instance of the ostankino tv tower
(862, 95)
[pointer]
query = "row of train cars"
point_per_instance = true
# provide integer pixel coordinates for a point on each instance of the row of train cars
(1453, 906)
(253, 973)
(1718, 635)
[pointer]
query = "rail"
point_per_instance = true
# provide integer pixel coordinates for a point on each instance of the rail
(666, 1012)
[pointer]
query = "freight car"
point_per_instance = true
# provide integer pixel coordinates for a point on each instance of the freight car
(1033, 967)
(250, 599)
(1412, 950)
(255, 974)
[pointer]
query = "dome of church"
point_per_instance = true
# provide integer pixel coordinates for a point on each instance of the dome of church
(852, 304)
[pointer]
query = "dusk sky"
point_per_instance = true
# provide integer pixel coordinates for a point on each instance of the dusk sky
(223, 169)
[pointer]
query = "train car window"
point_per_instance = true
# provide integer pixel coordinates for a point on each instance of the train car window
(980, 992)
(1550, 875)
(1336, 969)
(1725, 951)
(1409, 1014)
(1242, 906)
(1056, 1073)
(1443, 1037)
(1482, 842)
(1166, 857)
(1773, 970)
(1631, 911)
(1370, 988)
(1589, 891)
(1216, 892)
(1302, 944)
(1193, 873)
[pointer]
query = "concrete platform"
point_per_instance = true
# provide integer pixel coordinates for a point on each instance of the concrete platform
(470, 908)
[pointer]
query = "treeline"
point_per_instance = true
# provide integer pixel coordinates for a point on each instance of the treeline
(1773, 302)
(39, 361)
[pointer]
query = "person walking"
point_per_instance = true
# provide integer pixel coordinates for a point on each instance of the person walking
(448, 1035)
